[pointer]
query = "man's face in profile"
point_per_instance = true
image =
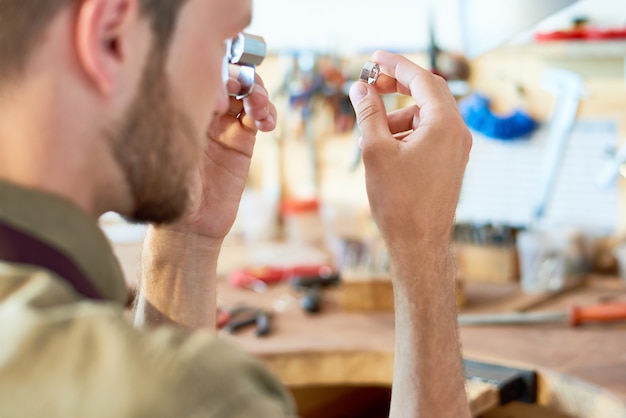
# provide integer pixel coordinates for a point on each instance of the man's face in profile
(154, 145)
(160, 140)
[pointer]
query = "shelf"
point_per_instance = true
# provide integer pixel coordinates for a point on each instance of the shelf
(578, 49)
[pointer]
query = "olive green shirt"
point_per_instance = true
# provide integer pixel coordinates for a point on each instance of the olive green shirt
(67, 350)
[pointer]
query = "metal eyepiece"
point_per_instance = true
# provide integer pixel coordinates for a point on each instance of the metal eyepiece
(246, 51)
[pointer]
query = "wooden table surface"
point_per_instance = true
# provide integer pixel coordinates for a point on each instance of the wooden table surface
(581, 371)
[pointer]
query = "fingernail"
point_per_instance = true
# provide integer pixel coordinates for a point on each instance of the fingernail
(358, 92)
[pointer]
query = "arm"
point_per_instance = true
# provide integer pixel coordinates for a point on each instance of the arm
(179, 261)
(428, 375)
(178, 284)
(415, 160)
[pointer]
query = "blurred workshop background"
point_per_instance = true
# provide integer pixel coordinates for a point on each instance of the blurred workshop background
(542, 86)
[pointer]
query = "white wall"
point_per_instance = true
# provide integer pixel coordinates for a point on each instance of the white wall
(354, 26)
(348, 25)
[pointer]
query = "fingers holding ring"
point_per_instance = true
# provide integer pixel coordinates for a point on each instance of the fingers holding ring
(235, 109)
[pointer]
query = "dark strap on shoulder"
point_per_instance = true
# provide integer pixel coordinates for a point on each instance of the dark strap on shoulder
(17, 246)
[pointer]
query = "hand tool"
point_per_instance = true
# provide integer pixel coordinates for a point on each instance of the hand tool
(312, 290)
(578, 315)
(531, 301)
(263, 323)
(299, 282)
(241, 317)
(569, 88)
(612, 168)
(311, 300)
(513, 384)
(272, 274)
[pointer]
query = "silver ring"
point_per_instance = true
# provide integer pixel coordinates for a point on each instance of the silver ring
(370, 72)
(247, 81)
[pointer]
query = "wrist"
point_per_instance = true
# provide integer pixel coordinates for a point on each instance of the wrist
(404, 237)
(178, 282)
(171, 239)
(422, 271)
(417, 253)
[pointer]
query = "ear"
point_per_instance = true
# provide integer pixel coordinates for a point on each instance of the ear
(102, 39)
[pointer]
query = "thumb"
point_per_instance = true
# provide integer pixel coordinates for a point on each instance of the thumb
(371, 114)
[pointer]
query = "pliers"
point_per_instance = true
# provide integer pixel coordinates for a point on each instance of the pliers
(235, 319)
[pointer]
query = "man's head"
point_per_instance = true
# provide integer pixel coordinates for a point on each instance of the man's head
(23, 22)
(151, 117)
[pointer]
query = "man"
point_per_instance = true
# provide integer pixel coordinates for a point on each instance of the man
(119, 105)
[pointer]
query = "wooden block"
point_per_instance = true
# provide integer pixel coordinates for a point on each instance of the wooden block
(377, 294)
(490, 385)
(372, 294)
(482, 397)
(487, 263)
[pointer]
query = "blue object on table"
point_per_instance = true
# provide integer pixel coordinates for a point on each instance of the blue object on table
(478, 116)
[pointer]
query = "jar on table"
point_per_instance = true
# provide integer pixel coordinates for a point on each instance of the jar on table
(302, 222)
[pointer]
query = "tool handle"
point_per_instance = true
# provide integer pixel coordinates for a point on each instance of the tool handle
(263, 324)
(311, 302)
(272, 274)
(235, 325)
(603, 312)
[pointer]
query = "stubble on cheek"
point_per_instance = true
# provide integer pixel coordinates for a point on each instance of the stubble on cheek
(154, 147)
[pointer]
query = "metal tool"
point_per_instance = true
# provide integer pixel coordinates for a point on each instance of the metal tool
(615, 165)
(246, 51)
(241, 317)
(513, 384)
(569, 88)
(312, 288)
(370, 72)
(600, 313)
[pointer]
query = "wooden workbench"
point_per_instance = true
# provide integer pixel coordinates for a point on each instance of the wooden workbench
(581, 372)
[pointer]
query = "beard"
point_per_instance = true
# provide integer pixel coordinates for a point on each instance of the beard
(154, 147)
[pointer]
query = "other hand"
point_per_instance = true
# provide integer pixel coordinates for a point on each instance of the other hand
(414, 157)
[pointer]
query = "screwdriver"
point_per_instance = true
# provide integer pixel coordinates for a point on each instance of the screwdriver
(577, 315)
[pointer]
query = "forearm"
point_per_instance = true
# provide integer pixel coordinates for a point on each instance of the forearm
(178, 283)
(428, 373)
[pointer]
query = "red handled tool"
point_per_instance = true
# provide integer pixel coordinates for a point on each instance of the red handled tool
(272, 274)
(578, 315)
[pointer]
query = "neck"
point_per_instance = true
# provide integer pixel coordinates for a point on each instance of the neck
(42, 147)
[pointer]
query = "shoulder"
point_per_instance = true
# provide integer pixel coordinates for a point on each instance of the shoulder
(82, 355)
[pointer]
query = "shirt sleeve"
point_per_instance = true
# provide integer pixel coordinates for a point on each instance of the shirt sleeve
(84, 359)
(205, 376)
